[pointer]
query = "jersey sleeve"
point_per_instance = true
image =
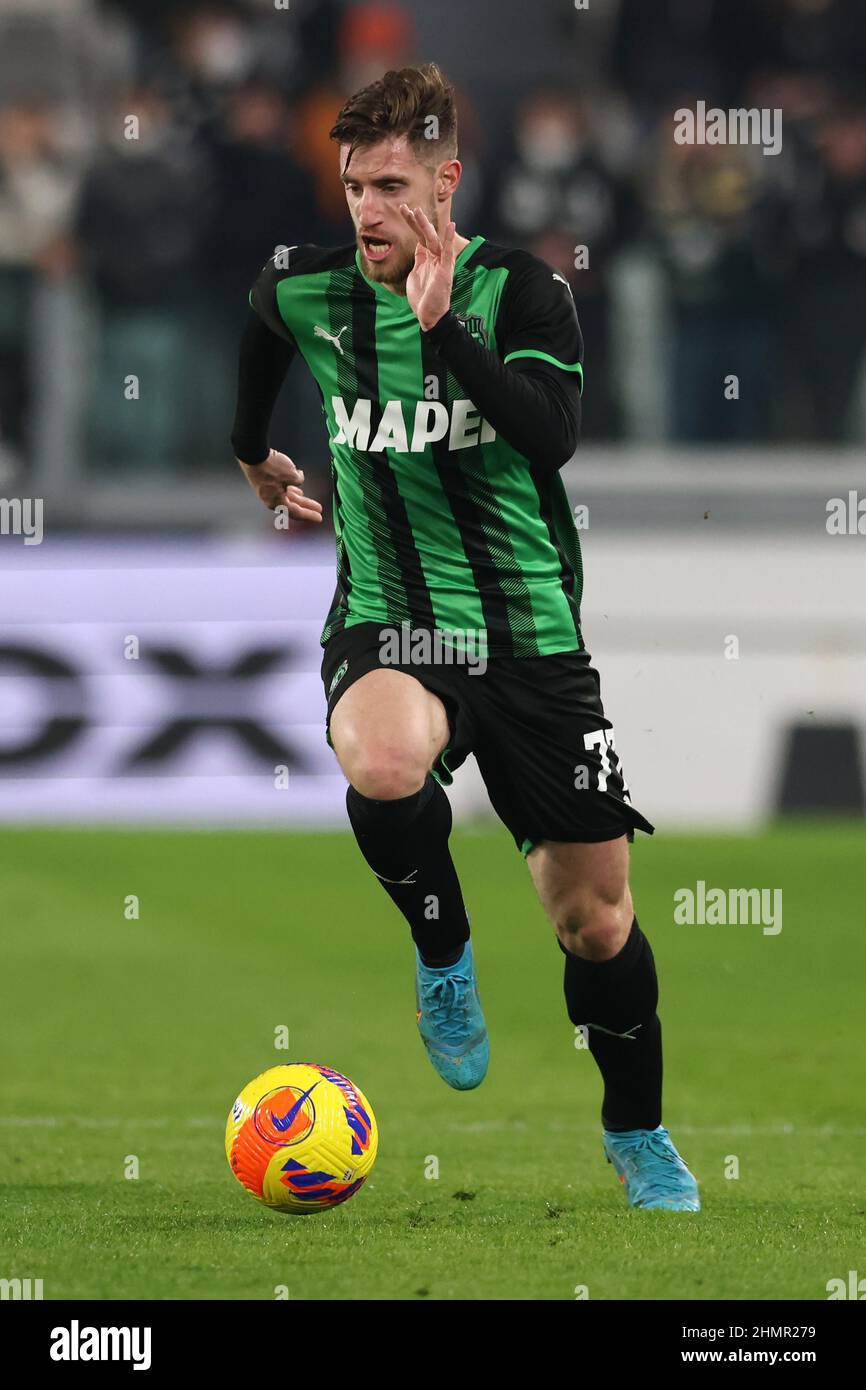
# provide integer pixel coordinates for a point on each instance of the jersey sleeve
(266, 352)
(263, 361)
(263, 295)
(533, 405)
(537, 325)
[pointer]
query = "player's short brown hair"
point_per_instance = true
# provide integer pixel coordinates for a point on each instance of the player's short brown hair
(418, 102)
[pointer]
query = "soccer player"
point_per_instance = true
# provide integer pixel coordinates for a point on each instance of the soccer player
(450, 371)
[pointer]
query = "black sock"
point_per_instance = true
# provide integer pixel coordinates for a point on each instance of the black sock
(620, 995)
(405, 842)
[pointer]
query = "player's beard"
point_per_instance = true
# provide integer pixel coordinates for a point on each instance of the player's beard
(397, 273)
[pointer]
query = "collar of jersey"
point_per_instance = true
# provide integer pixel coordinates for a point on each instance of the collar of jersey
(388, 296)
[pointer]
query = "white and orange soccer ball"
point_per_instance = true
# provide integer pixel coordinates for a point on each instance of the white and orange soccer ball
(301, 1138)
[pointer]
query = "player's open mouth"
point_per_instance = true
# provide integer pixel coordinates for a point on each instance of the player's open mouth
(375, 249)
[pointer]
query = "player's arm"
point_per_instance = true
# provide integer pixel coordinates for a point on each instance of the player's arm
(531, 393)
(264, 359)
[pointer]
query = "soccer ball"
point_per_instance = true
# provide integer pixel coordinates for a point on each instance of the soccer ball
(301, 1138)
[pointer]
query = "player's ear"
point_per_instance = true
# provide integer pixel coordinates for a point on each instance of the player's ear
(448, 178)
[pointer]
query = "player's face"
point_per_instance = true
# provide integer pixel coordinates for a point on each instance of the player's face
(380, 178)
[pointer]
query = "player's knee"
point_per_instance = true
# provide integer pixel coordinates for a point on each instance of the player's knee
(387, 771)
(593, 925)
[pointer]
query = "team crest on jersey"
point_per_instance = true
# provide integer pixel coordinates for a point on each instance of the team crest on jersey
(474, 325)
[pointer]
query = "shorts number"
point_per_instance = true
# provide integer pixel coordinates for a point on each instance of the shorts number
(602, 740)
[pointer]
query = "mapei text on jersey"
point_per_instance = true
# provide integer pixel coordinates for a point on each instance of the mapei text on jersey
(432, 421)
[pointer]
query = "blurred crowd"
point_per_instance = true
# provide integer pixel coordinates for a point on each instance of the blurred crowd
(152, 156)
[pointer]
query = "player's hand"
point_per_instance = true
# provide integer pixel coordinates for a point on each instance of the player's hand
(277, 483)
(431, 278)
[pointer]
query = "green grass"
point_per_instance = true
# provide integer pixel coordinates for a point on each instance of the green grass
(133, 1037)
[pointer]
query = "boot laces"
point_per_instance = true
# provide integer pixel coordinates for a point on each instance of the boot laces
(666, 1177)
(447, 1000)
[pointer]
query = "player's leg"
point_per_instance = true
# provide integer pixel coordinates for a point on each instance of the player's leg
(549, 760)
(611, 989)
(388, 730)
(610, 977)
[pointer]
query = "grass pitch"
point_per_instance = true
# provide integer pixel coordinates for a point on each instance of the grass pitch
(132, 1038)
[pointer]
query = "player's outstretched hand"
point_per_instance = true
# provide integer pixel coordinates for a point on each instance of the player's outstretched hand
(431, 279)
(277, 483)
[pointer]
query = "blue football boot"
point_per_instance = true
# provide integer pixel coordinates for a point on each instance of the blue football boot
(450, 1020)
(652, 1172)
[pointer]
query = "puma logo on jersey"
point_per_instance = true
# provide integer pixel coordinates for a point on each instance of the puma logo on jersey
(428, 422)
(332, 338)
(563, 281)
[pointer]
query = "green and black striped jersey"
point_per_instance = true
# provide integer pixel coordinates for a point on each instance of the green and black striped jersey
(441, 523)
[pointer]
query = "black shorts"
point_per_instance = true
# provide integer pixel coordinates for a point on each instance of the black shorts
(537, 729)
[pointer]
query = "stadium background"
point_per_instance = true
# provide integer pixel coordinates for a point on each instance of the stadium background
(159, 646)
